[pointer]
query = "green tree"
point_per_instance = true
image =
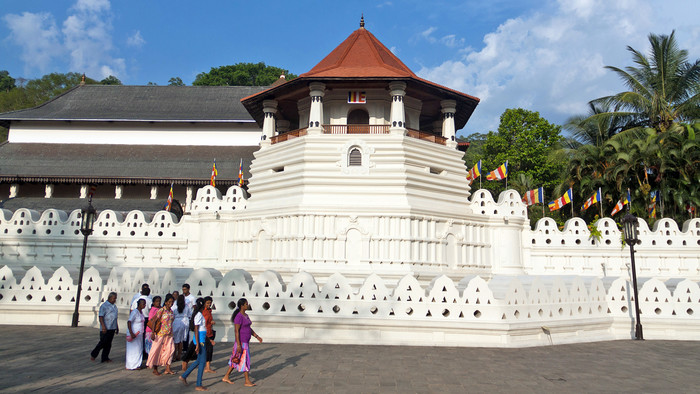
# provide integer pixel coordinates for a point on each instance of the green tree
(7, 83)
(526, 141)
(242, 74)
(476, 148)
(175, 81)
(664, 88)
(111, 80)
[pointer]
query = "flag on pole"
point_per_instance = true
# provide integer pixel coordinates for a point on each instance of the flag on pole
(534, 196)
(620, 204)
(475, 172)
(597, 197)
(357, 98)
(214, 173)
(652, 205)
(561, 201)
(240, 174)
(170, 199)
(499, 173)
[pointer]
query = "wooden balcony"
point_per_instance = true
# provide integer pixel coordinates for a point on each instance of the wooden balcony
(359, 129)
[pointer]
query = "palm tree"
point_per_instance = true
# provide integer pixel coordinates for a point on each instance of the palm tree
(664, 88)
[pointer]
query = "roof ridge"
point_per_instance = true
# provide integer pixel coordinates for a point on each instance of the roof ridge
(44, 103)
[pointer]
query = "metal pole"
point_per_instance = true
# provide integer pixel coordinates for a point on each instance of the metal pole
(638, 327)
(80, 282)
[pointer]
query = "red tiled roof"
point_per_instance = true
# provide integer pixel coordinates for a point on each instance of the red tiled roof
(360, 55)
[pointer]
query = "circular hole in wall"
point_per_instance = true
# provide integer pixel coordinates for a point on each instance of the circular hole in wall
(689, 311)
(516, 314)
(133, 233)
(266, 306)
(409, 311)
(624, 309)
(477, 313)
(19, 231)
(88, 298)
(607, 242)
(336, 308)
(76, 232)
(58, 297)
(301, 307)
(373, 310)
(445, 312)
(105, 232)
(29, 297)
(232, 305)
(540, 312)
(669, 242)
(657, 311)
(160, 233)
(580, 310)
(48, 231)
(561, 311)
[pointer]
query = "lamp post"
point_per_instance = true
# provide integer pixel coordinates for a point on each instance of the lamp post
(630, 225)
(87, 223)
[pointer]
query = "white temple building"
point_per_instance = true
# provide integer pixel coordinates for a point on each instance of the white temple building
(359, 214)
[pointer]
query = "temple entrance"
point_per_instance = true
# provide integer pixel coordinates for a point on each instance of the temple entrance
(358, 122)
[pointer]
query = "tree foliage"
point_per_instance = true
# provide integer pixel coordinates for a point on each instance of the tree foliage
(111, 80)
(7, 83)
(525, 140)
(643, 139)
(242, 74)
(175, 81)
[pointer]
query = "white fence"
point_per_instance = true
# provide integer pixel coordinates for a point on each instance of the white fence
(505, 311)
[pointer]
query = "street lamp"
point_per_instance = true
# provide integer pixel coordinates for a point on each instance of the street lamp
(87, 223)
(630, 225)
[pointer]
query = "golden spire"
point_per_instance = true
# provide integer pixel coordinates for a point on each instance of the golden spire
(362, 21)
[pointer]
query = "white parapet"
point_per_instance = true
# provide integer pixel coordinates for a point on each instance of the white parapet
(505, 311)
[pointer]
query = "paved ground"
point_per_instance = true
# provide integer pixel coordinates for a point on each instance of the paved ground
(56, 359)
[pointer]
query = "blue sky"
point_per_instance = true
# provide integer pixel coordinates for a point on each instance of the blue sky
(546, 56)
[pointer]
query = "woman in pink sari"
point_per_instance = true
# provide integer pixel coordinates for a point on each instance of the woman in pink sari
(155, 307)
(163, 347)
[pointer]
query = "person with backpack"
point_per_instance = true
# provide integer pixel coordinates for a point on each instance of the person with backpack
(240, 356)
(198, 325)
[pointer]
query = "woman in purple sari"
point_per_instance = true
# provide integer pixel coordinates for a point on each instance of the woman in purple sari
(240, 356)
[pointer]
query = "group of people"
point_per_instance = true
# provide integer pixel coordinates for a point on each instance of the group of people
(159, 329)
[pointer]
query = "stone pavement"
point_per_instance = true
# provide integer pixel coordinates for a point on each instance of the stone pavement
(56, 359)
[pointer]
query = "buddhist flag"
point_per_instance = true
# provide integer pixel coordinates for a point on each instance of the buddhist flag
(240, 174)
(652, 205)
(561, 201)
(597, 197)
(214, 173)
(475, 172)
(620, 204)
(499, 173)
(357, 98)
(170, 199)
(534, 196)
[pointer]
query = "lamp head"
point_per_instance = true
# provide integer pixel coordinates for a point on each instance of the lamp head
(630, 225)
(88, 214)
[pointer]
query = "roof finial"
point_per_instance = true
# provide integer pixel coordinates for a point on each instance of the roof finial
(362, 21)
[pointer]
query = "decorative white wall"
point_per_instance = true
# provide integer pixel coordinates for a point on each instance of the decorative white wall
(506, 311)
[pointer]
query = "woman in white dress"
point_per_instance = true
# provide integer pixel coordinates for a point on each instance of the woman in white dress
(134, 339)
(181, 324)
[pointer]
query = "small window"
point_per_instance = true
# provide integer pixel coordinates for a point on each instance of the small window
(355, 157)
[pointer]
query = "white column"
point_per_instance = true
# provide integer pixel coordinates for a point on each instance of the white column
(398, 114)
(48, 190)
(14, 190)
(118, 190)
(449, 107)
(188, 199)
(317, 91)
(154, 192)
(268, 131)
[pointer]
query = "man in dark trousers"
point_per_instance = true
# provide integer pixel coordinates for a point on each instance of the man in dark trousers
(108, 327)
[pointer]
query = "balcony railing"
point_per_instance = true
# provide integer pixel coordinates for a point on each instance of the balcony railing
(359, 129)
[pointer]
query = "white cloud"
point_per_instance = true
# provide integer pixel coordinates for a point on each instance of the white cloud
(427, 34)
(85, 40)
(88, 38)
(38, 37)
(553, 61)
(136, 40)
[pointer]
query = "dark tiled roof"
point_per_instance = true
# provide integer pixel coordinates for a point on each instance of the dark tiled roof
(143, 103)
(71, 204)
(122, 164)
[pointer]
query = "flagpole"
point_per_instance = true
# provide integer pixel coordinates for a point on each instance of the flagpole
(600, 193)
(572, 203)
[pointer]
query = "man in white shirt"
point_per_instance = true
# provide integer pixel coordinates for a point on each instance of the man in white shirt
(190, 300)
(145, 294)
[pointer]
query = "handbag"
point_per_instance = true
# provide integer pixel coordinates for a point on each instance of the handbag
(154, 324)
(236, 357)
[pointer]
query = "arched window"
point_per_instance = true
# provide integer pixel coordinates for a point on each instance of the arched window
(358, 116)
(355, 157)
